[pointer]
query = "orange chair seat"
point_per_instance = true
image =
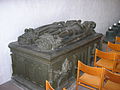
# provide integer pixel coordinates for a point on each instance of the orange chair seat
(91, 80)
(108, 64)
(111, 86)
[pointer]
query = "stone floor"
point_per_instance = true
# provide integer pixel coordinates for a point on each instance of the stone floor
(11, 85)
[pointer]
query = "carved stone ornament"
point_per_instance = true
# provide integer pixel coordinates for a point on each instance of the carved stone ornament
(56, 35)
(48, 41)
(66, 67)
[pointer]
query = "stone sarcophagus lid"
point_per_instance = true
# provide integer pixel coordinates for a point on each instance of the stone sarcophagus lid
(51, 52)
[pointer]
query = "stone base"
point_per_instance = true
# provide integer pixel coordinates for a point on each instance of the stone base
(28, 85)
(25, 84)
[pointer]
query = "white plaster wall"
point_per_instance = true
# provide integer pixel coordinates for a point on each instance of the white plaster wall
(16, 15)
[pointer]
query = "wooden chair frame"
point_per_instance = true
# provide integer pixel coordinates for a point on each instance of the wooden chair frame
(108, 56)
(89, 70)
(113, 47)
(49, 87)
(111, 77)
(117, 39)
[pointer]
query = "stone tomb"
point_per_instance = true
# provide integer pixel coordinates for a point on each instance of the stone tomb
(51, 52)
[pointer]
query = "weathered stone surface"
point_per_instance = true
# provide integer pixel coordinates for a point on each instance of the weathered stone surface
(56, 35)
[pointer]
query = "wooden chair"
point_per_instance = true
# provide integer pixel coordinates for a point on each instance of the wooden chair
(117, 40)
(49, 87)
(112, 81)
(114, 48)
(92, 77)
(64, 89)
(107, 60)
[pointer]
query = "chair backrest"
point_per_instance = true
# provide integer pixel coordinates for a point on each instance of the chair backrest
(95, 71)
(105, 55)
(48, 86)
(114, 77)
(117, 39)
(113, 46)
(90, 70)
(108, 56)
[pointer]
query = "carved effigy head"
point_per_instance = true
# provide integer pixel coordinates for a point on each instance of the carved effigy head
(56, 35)
(89, 25)
(28, 38)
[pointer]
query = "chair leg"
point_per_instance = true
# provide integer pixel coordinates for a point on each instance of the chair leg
(76, 86)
